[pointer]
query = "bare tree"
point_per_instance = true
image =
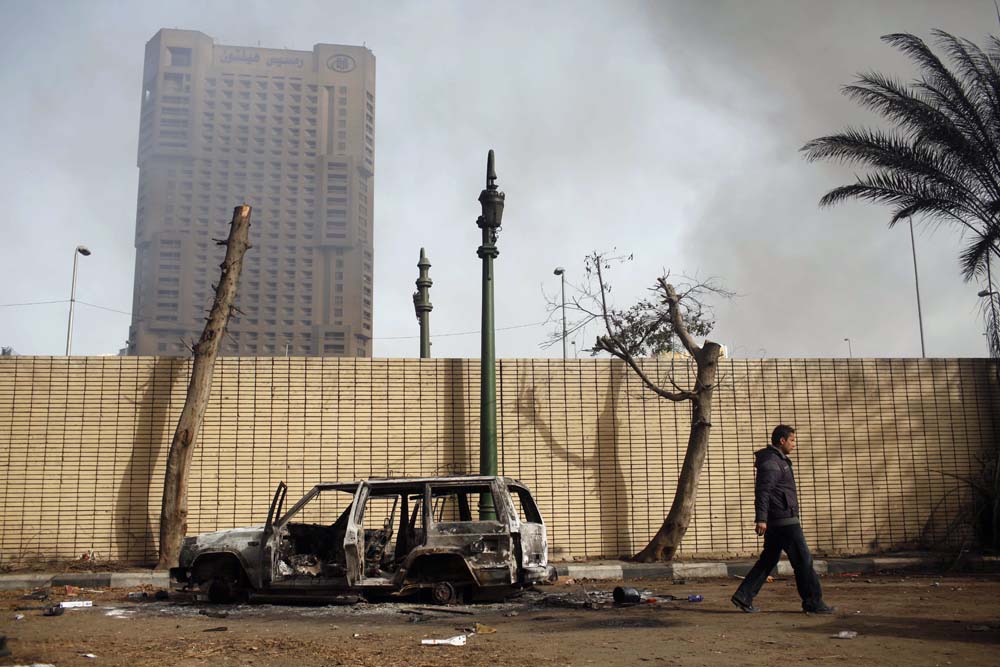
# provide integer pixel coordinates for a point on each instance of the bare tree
(173, 512)
(667, 321)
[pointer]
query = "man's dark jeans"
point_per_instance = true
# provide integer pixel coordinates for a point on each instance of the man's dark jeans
(792, 541)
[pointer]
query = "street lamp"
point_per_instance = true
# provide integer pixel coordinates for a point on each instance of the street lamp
(492, 201)
(80, 250)
(850, 352)
(561, 272)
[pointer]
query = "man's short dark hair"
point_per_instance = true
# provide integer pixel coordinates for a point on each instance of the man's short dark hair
(780, 431)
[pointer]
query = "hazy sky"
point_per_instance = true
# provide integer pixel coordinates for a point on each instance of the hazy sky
(665, 129)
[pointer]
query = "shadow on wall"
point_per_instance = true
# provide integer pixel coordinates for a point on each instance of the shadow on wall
(457, 461)
(613, 514)
(134, 529)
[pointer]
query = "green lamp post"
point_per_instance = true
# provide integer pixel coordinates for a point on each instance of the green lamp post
(422, 305)
(492, 201)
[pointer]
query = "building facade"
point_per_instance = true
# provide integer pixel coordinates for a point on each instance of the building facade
(292, 133)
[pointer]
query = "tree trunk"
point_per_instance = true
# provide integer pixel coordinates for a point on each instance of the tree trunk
(668, 538)
(173, 512)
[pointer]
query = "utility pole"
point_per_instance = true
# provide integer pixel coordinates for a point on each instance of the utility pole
(492, 202)
(916, 281)
(561, 272)
(422, 305)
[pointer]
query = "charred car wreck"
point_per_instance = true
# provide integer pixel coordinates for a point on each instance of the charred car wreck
(378, 537)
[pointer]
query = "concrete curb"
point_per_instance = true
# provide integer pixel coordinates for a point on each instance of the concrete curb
(608, 571)
(14, 582)
(707, 570)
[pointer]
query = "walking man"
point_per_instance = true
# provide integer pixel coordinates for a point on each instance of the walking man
(776, 509)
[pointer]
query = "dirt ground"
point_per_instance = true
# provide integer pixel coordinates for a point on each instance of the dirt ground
(901, 619)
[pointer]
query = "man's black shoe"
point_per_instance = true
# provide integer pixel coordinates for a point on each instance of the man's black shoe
(821, 608)
(744, 606)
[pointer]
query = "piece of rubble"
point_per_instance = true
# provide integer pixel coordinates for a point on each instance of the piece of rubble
(458, 640)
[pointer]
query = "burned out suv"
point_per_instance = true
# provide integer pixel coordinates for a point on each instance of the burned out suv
(381, 536)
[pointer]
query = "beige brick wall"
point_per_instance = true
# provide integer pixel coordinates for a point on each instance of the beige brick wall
(83, 442)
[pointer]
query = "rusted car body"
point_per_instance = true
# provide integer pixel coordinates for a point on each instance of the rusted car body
(380, 536)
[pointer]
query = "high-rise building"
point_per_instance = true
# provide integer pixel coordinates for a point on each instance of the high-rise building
(292, 133)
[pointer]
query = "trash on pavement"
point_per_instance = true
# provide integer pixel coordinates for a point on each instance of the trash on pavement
(979, 628)
(37, 594)
(72, 591)
(624, 595)
(221, 628)
(54, 610)
(695, 598)
(480, 629)
(845, 634)
(88, 655)
(458, 640)
(75, 604)
(213, 614)
(18, 617)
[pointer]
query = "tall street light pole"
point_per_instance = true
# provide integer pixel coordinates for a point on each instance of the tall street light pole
(916, 281)
(561, 272)
(492, 201)
(850, 352)
(80, 250)
(422, 304)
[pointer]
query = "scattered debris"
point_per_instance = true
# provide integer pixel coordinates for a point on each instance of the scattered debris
(161, 595)
(680, 582)
(849, 574)
(221, 628)
(480, 629)
(54, 610)
(38, 594)
(979, 628)
(88, 655)
(72, 591)
(623, 595)
(458, 640)
(695, 598)
(511, 614)
(213, 614)
(75, 604)
(770, 579)
(18, 617)
(845, 634)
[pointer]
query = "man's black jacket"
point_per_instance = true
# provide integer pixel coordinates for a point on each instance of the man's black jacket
(775, 499)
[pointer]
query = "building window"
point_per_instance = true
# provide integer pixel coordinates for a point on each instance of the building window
(179, 57)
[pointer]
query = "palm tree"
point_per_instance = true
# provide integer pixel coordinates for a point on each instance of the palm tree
(940, 162)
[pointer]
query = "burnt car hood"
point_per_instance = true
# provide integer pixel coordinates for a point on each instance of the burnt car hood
(233, 539)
